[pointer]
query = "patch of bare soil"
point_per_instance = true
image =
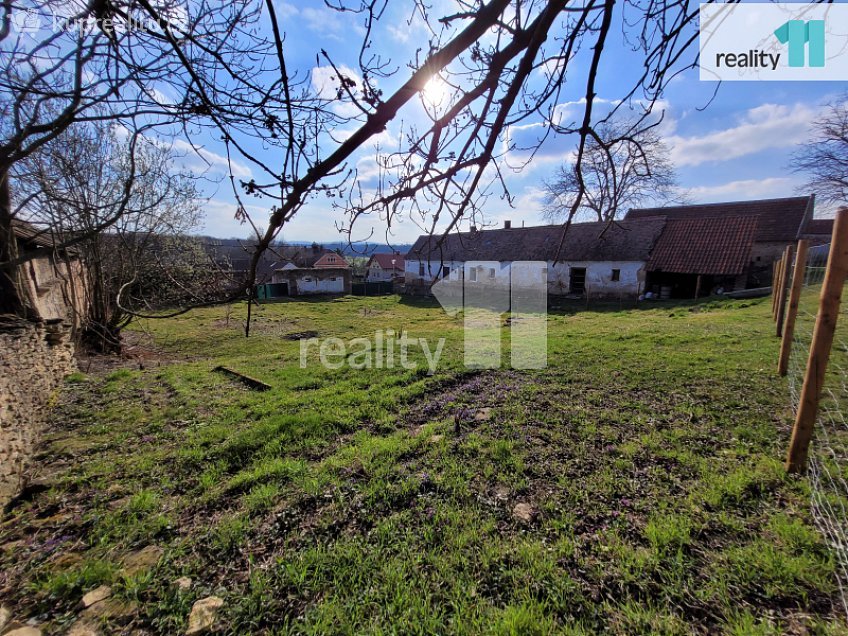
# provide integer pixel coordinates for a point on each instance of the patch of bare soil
(467, 398)
(139, 351)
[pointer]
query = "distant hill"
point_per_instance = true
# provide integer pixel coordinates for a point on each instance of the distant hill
(358, 249)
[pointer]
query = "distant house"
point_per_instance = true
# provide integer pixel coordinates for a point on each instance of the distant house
(53, 277)
(291, 280)
(385, 267)
(303, 271)
(287, 270)
(332, 260)
(599, 259)
(733, 244)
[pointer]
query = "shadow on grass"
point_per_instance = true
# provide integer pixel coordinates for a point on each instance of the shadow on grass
(568, 306)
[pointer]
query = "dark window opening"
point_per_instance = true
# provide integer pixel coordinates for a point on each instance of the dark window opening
(445, 271)
(616, 275)
(577, 280)
(421, 269)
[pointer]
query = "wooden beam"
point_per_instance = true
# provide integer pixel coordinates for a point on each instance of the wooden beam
(252, 383)
(792, 310)
(830, 299)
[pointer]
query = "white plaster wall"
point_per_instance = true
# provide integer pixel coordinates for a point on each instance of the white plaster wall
(432, 270)
(325, 286)
(599, 277)
(378, 274)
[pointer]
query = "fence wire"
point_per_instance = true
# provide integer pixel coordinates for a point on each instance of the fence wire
(828, 453)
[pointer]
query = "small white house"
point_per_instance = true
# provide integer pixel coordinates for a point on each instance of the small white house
(599, 259)
(385, 267)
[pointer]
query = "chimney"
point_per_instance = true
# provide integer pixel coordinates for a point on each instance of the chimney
(507, 225)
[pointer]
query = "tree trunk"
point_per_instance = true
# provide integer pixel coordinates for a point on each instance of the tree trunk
(12, 294)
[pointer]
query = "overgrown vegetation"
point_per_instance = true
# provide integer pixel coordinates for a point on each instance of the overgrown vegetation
(345, 501)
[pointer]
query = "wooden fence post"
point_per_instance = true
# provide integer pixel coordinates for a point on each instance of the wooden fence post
(776, 288)
(781, 296)
(792, 311)
(773, 286)
(831, 295)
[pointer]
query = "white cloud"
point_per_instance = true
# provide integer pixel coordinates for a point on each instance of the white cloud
(762, 128)
(330, 23)
(326, 83)
(202, 160)
(560, 148)
(745, 189)
(285, 10)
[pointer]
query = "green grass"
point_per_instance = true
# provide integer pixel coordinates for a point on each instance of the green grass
(346, 501)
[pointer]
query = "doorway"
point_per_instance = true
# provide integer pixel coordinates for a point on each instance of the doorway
(577, 280)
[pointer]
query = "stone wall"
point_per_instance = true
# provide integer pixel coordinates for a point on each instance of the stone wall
(34, 359)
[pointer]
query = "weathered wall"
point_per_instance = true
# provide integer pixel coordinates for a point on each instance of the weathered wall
(599, 281)
(306, 281)
(56, 287)
(34, 359)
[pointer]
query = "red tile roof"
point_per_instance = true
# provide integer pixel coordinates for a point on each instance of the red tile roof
(384, 260)
(718, 245)
(780, 220)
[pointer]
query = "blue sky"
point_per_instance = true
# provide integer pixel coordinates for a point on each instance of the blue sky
(738, 147)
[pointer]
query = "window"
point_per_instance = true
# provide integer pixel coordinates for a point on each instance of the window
(491, 272)
(421, 269)
(472, 274)
(616, 275)
(445, 271)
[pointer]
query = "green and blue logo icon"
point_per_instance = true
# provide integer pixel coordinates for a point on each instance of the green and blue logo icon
(805, 41)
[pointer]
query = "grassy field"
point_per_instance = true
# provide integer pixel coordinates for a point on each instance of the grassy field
(645, 463)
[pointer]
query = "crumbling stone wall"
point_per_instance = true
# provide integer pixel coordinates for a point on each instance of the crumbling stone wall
(34, 359)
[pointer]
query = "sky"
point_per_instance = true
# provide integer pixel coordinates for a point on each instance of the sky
(733, 144)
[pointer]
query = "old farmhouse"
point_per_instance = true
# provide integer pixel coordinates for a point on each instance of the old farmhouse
(681, 251)
(601, 259)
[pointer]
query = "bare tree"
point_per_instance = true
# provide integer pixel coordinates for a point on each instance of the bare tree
(102, 61)
(630, 168)
(824, 159)
(499, 63)
(124, 204)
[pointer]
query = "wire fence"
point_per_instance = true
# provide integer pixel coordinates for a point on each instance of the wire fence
(827, 466)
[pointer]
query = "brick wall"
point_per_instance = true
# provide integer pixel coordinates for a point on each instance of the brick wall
(34, 359)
